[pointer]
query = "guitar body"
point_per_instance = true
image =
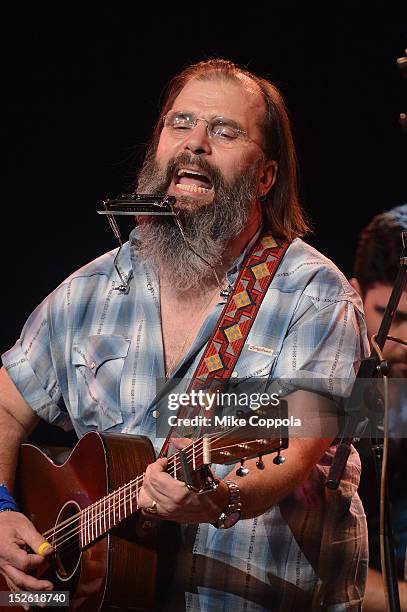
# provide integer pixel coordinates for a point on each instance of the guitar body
(107, 561)
(118, 570)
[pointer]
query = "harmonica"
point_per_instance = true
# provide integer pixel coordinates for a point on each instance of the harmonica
(138, 204)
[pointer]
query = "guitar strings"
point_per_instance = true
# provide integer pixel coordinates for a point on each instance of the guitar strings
(101, 511)
(62, 542)
(100, 514)
(107, 499)
(114, 493)
(106, 509)
(190, 451)
(98, 510)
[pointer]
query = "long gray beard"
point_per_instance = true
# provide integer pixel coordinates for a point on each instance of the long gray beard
(208, 228)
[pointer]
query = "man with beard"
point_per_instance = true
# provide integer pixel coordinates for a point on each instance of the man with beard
(375, 270)
(93, 351)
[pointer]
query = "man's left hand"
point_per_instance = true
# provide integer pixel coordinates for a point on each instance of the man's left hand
(170, 499)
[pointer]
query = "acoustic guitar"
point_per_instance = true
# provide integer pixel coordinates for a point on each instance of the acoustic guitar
(105, 552)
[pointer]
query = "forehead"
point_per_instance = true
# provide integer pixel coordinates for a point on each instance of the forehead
(239, 100)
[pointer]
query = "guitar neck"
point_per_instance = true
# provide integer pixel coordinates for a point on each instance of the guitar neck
(103, 515)
(226, 446)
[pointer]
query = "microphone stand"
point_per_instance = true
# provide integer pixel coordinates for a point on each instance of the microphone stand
(361, 413)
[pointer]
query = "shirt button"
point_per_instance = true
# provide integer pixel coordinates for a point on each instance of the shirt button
(234, 374)
(156, 414)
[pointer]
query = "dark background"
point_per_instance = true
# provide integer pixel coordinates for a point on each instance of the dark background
(81, 89)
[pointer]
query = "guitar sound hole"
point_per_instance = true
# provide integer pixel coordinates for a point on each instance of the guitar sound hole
(68, 551)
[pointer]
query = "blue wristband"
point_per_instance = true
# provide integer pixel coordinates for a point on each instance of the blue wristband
(7, 502)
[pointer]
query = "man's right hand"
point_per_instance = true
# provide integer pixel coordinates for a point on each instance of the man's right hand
(16, 564)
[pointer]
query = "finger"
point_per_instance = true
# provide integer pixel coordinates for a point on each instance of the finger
(154, 472)
(156, 516)
(151, 495)
(21, 559)
(25, 530)
(160, 465)
(150, 492)
(151, 515)
(180, 443)
(25, 582)
(166, 503)
(156, 511)
(13, 588)
(162, 483)
(44, 549)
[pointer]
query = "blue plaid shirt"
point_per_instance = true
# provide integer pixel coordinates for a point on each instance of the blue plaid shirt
(92, 356)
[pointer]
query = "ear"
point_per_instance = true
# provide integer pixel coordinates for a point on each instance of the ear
(268, 176)
(355, 284)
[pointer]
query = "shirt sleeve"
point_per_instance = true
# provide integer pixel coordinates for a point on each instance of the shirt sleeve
(324, 346)
(31, 367)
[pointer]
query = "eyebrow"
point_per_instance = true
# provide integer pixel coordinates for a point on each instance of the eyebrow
(400, 316)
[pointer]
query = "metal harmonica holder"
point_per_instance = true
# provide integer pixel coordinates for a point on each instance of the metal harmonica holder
(130, 204)
(138, 204)
(142, 204)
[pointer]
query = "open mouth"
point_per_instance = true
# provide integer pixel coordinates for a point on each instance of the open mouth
(190, 180)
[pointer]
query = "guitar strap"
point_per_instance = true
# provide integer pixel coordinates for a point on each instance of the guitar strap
(232, 328)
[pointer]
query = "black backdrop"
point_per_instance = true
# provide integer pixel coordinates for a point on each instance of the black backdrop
(81, 89)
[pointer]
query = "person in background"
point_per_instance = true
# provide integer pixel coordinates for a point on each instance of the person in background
(375, 269)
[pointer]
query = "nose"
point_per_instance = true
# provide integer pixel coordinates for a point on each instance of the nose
(197, 140)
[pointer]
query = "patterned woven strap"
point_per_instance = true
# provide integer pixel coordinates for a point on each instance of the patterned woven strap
(225, 345)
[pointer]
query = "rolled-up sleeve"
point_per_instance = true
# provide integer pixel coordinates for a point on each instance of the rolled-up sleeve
(30, 366)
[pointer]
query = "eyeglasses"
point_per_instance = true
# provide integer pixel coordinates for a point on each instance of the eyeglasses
(224, 131)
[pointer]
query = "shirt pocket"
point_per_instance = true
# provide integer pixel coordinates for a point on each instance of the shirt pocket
(251, 376)
(98, 362)
(255, 361)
